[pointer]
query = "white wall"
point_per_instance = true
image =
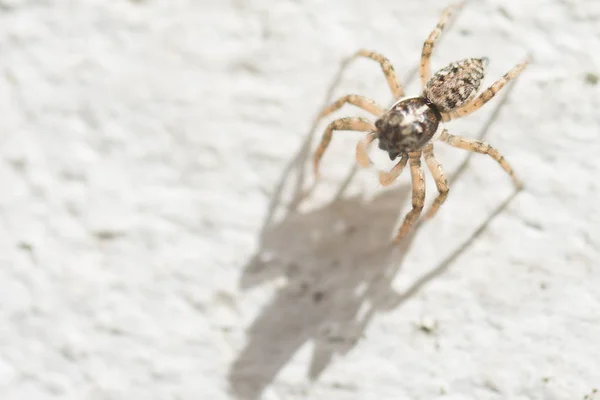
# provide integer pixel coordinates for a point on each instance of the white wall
(143, 144)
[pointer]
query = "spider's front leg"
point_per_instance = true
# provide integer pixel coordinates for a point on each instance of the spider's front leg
(360, 101)
(435, 167)
(418, 194)
(387, 178)
(483, 148)
(362, 147)
(386, 67)
(342, 124)
(425, 68)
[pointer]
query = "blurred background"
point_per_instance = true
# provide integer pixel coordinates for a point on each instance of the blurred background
(157, 239)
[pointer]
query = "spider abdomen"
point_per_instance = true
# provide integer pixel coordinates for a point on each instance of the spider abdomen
(456, 84)
(407, 126)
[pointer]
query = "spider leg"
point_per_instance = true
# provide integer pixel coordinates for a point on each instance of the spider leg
(483, 148)
(440, 180)
(418, 194)
(386, 67)
(386, 178)
(342, 124)
(356, 100)
(447, 14)
(362, 156)
(486, 95)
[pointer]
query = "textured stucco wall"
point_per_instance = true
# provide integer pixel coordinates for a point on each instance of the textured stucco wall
(151, 152)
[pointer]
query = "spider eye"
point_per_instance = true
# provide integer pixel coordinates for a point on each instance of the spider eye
(379, 124)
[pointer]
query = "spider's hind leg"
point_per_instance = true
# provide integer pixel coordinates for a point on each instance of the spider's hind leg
(486, 95)
(425, 68)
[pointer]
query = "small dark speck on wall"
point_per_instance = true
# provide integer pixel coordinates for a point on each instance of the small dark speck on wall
(25, 246)
(591, 78)
(318, 296)
(504, 12)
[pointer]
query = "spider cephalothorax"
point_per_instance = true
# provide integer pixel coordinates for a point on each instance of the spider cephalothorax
(410, 126)
(407, 126)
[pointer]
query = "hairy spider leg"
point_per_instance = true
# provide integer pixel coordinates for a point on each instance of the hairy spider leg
(343, 124)
(362, 156)
(387, 178)
(386, 67)
(436, 169)
(418, 194)
(425, 68)
(486, 95)
(360, 101)
(483, 148)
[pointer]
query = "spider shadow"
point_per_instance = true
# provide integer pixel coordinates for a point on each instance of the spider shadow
(337, 265)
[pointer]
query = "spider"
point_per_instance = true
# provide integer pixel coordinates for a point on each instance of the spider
(410, 126)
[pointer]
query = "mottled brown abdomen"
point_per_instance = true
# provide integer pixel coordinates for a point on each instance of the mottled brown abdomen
(456, 84)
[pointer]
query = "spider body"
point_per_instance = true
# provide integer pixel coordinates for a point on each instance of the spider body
(409, 128)
(411, 123)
